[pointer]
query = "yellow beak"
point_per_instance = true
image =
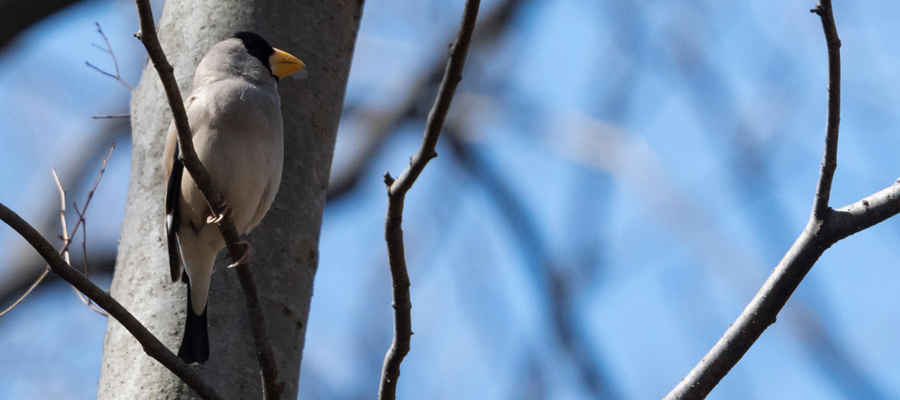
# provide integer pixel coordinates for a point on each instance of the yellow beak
(284, 64)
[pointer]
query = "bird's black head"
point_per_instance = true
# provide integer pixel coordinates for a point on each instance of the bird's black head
(256, 46)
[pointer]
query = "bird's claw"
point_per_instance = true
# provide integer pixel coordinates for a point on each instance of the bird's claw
(215, 219)
(245, 256)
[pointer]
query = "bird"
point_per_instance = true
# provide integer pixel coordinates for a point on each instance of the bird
(234, 112)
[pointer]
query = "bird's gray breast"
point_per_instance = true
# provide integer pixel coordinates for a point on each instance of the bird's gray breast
(239, 138)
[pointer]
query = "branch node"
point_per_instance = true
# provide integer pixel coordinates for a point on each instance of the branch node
(788, 274)
(393, 231)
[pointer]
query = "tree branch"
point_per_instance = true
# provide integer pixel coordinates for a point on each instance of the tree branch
(152, 346)
(272, 388)
(66, 237)
(108, 50)
(27, 292)
(397, 190)
(829, 158)
(26, 269)
(19, 15)
(825, 228)
(379, 126)
(771, 298)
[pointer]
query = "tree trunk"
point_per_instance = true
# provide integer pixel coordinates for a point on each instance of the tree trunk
(285, 245)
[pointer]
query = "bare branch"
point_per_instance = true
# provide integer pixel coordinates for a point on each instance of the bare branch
(825, 228)
(111, 116)
(397, 190)
(89, 197)
(66, 237)
(27, 292)
(65, 233)
(108, 50)
(379, 126)
(29, 268)
(83, 299)
(151, 345)
(90, 194)
(272, 388)
(771, 298)
(98, 69)
(829, 158)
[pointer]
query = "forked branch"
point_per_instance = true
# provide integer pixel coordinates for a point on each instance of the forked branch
(152, 346)
(826, 227)
(397, 189)
(108, 50)
(66, 236)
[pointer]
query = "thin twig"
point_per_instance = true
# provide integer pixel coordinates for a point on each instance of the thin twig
(111, 116)
(397, 189)
(829, 158)
(27, 292)
(378, 126)
(108, 50)
(90, 195)
(825, 227)
(66, 236)
(151, 345)
(272, 388)
(21, 273)
(85, 300)
(62, 216)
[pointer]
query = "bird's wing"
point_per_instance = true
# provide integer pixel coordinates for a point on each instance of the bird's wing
(174, 173)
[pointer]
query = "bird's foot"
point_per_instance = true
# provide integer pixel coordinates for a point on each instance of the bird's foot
(245, 256)
(226, 211)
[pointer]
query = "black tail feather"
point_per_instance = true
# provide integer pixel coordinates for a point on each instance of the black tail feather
(173, 215)
(195, 344)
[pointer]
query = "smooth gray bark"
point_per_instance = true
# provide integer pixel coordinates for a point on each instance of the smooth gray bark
(285, 244)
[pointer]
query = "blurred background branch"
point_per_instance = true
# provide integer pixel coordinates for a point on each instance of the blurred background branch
(18, 15)
(380, 125)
